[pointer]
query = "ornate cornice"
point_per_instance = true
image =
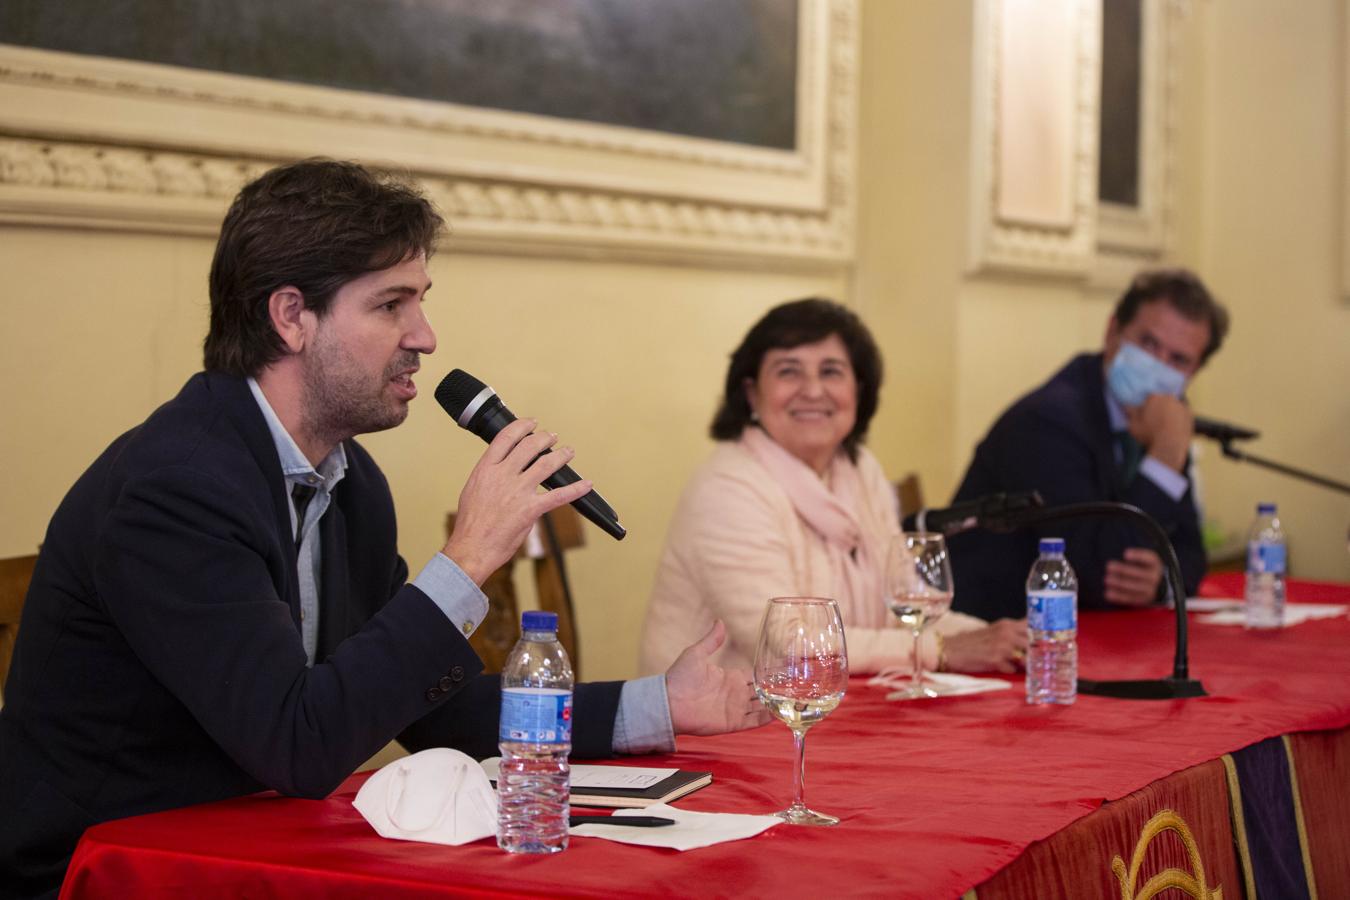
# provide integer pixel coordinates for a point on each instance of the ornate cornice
(1138, 235)
(507, 182)
(73, 175)
(999, 243)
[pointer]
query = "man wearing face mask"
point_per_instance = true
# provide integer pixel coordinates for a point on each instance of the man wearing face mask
(1108, 426)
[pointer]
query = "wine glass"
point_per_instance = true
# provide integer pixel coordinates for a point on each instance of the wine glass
(919, 592)
(801, 673)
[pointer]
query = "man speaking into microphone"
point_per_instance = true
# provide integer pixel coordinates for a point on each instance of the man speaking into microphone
(219, 606)
(1108, 426)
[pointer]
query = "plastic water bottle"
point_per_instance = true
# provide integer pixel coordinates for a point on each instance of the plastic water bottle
(535, 736)
(1266, 557)
(1052, 620)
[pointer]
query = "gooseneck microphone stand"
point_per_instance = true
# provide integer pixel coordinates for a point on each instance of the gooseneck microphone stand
(1179, 684)
(1241, 456)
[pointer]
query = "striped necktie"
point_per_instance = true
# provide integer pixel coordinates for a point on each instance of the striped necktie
(301, 494)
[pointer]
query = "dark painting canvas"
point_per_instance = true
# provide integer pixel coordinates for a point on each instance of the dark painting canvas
(719, 69)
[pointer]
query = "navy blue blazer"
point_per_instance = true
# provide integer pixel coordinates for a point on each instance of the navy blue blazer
(159, 663)
(1058, 440)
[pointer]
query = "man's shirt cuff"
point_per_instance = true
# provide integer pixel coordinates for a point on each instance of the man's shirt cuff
(643, 724)
(454, 592)
(1169, 481)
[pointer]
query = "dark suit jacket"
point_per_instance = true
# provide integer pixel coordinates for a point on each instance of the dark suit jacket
(1058, 440)
(159, 662)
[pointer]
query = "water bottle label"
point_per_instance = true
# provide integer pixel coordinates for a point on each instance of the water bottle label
(1052, 610)
(1265, 557)
(536, 716)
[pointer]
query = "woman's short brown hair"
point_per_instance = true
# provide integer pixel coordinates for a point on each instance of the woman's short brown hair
(791, 325)
(313, 225)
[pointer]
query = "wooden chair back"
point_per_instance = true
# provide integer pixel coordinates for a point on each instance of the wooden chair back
(15, 574)
(501, 628)
(910, 493)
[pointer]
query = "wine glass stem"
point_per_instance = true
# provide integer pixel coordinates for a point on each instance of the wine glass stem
(916, 679)
(799, 770)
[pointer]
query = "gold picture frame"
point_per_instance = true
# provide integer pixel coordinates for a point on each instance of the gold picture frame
(96, 142)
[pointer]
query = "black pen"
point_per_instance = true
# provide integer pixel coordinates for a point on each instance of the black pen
(639, 821)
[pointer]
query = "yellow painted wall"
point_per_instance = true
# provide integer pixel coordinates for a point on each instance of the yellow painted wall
(1257, 173)
(625, 362)
(959, 348)
(1268, 180)
(914, 141)
(625, 359)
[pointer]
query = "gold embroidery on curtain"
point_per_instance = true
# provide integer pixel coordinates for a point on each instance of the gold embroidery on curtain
(1192, 885)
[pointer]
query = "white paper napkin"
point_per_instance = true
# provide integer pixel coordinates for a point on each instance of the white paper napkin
(951, 684)
(439, 796)
(690, 831)
(1224, 611)
(948, 684)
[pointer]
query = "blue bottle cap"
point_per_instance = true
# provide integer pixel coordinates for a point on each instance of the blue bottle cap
(534, 620)
(1052, 545)
(1265, 509)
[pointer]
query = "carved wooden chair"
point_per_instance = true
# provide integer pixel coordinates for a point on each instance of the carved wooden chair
(910, 493)
(498, 634)
(15, 573)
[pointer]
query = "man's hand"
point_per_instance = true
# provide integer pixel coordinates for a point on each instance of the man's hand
(501, 500)
(999, 647)
(1164, 426)
(706, 698)
(1134, 580)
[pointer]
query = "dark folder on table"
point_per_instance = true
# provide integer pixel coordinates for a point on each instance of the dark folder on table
(669, 788)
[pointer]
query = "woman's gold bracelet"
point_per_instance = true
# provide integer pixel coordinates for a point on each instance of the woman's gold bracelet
(941, 652)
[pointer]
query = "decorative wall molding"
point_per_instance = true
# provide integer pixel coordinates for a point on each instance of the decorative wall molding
(1345, 154)
(1000, 242)
(1142, 233)
(100, 143)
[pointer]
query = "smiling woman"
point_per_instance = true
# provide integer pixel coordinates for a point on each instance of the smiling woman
(792, 504)
(806, 399)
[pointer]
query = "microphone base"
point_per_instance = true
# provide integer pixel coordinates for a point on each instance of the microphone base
(1149, 689)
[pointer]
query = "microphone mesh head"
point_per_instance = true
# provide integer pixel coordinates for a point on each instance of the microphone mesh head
(456, 390)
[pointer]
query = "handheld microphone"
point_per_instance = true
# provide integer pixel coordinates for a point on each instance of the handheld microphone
(983, 512)
(1222, 431)
(477, 408)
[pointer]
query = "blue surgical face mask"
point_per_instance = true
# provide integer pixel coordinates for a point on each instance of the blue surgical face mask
(1134, 374)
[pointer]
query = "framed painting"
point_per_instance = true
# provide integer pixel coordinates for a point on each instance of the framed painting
(707, 129)
(1136, 134)
(1034, 142)
(1073, 136)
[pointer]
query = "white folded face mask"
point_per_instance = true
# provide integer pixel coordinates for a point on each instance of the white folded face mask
(439, 796)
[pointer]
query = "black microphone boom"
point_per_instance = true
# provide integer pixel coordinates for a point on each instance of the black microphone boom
(1222, 431)
(1226, 434)
(477, 408)
(962, 517)
(1179, 684)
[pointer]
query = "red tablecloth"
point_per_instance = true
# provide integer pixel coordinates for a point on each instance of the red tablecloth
(1230, 584)
(934, 796)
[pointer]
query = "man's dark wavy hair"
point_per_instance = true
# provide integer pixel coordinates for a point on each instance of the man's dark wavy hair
(314, 225)
(1186, 293)
(791, 325)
